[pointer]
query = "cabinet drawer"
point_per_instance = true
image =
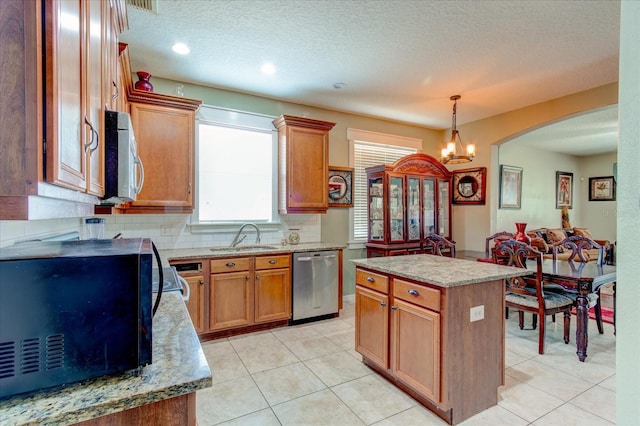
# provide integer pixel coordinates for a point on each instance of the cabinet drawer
(272, 262)
(230, 265)
(372, 280)
(419, 295)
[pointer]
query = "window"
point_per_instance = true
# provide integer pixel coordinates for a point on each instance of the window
(236, 167)
(371, 149)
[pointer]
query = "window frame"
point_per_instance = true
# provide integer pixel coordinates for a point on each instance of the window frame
(224, 117)
(381, 140)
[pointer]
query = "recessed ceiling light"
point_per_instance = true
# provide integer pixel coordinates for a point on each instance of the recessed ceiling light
(181, 48)
(339, 86)
(268, 68)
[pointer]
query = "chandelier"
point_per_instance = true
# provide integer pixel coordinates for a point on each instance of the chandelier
(448, 155)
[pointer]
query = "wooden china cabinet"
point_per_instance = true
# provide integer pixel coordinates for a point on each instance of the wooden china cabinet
(407, 200)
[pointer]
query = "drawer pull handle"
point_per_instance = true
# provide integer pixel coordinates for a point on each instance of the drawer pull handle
(257, 277)
(230, 264)
(394, 308)
(370, 279)
(413, 292)
(383, 304)
(201, 282)
(273, 261)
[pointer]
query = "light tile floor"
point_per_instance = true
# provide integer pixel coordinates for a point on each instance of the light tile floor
(311, 375)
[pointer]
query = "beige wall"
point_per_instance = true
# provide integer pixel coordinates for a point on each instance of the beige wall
(538, 190)
(473, 223)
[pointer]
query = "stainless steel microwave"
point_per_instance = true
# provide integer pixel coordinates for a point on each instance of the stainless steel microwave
(74, 310)
(124, 173)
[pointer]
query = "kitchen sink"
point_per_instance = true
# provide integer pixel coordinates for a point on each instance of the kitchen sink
(256, 247)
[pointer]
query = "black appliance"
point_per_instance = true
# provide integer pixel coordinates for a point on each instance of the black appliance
(74, 310)
(124, 174)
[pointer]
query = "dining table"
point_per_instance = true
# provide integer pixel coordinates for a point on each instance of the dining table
(581, 279)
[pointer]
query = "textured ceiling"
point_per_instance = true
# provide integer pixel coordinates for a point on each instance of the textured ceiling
(400, 60)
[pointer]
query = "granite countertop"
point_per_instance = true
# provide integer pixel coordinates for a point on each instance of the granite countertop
(179, 367)
(439, 270)
(243, 250)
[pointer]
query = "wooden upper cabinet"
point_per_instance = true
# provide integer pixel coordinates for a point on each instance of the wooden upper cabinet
(303, 146)
(164, 128)
(66, 132)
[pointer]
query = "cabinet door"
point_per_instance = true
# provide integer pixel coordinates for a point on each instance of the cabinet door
(413, 209)
(307, 169)
(65, 104)
(372, 326)
(93, 86)
(415, 347)
(428, 206)
(396, 209)
(272, 295)
(195, 305)
(165, 138)
(230, 300)
(376, 209)
(444, 208)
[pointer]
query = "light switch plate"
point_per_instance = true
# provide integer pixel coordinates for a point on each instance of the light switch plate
(476, 313)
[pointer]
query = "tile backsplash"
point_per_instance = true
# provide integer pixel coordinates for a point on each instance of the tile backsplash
(167, 231)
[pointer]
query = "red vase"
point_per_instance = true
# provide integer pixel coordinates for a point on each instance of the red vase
(143, 83)
(520, 235)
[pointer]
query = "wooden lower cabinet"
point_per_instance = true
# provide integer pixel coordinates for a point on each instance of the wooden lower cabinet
(272, 295)
(421, 338)
(195, 305)
(179, 410)
(230, 300)
(238, 294)
(416, 348)
(372, 333)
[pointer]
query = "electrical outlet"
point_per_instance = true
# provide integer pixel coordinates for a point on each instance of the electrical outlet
(476, 313)
(166, 230)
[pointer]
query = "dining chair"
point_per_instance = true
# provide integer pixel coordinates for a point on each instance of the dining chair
(526, 294)
(578, 246)
(438, 245)
(495, 239)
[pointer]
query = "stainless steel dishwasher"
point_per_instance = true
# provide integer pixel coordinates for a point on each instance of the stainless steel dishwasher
(315, 285)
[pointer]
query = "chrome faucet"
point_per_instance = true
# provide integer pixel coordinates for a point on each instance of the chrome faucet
(237, 240)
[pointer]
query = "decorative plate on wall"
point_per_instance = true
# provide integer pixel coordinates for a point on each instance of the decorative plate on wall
(470, 186)
(340, 186)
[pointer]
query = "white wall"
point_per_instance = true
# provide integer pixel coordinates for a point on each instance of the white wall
(167, 231)
(538, 190)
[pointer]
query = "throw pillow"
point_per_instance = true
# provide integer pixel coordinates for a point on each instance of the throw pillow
(583, 232)
(555, 235)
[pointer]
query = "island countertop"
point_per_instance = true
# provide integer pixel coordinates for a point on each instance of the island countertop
(439, 270)
(179, 367)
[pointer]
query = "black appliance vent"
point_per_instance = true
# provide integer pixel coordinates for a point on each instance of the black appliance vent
(30, 356)
(55, 352)
(7, 359)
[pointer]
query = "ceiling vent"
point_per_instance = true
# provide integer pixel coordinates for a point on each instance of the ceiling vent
(148, 5)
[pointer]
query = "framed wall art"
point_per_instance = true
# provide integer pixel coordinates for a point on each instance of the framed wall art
(510, 187)
(340, 186)
(564, 190)
(470, 186)
(602, 188)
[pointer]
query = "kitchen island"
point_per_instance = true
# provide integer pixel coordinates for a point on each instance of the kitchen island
(434, 326)
(163, 393)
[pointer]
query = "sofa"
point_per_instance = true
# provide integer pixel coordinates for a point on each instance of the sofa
(543, 239)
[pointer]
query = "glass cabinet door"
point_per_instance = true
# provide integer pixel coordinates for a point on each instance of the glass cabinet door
(396, 208)
(443, 208)
(413, 209)
(428, 206)
(376, 210)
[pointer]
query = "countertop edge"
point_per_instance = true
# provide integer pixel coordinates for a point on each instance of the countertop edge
(439, 271)
(173, 373)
